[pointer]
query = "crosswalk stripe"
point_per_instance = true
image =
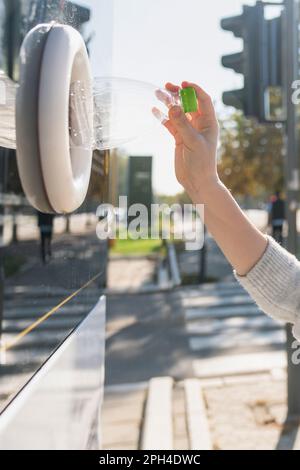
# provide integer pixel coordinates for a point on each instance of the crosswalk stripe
(222, 312)
(9, 344)
(239, 364)
(212, 289)
(231, 324)
(41, 337)
(36, 311)
(209, 286)
(212, 301)
(44, 301)
(237, 340)
(57, 323)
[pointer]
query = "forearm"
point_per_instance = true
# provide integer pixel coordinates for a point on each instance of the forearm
(241, 242)
(269, 273)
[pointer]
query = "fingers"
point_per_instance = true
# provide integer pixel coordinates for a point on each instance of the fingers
(160, 116)
(178, 139)
(205, 103)
(181, 124)
(164, 97)
(183, 127)
(171, 87)
(164, 120)
(206, 106)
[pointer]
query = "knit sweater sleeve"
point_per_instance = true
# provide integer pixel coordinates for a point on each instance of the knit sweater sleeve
(274, 284)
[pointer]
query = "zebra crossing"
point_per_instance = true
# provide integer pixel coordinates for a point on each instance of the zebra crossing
(223, 322)
(23, 306)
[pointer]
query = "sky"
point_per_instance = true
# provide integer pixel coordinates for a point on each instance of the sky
(165, 40)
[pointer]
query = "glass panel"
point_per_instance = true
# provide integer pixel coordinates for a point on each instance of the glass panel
(52, 269)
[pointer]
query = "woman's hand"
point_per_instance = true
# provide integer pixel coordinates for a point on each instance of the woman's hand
(196, 137)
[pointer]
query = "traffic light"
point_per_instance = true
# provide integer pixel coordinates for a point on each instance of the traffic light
(259, 62)
(275, 110)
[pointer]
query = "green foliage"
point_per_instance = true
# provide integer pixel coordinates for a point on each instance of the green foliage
(179, 198)
(251, 157)
(136, 247)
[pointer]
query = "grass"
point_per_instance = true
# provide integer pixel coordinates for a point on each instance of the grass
(136, 247)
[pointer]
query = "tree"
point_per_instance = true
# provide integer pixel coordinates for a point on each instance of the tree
(179, 198)
(250, 157)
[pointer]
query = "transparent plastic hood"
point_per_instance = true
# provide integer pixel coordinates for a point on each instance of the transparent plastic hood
(122, 111)
(8, 90)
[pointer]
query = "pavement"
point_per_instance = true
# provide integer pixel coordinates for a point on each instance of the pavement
(76, 258)
(37, 288)
(217, 267)
(249, 413)
(213, 335)
(244, 412)
(126, 273)
(202, 363)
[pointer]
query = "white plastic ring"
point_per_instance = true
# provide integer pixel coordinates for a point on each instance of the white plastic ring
(28, 152)
(66, 171)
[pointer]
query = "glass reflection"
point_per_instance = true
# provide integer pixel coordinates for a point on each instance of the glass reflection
(42, 263)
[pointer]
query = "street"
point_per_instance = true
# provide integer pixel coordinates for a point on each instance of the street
(212, 334)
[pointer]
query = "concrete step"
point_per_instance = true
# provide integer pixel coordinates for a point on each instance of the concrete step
(157, 431)
(198, 427)
(154, 415)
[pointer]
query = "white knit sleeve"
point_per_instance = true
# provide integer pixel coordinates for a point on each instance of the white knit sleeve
(274, 284)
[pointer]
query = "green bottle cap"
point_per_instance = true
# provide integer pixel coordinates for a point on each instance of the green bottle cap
(189, 99)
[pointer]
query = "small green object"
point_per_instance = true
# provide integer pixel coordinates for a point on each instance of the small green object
(189, 99)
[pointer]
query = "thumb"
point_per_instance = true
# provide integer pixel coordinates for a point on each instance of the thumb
(182, 125)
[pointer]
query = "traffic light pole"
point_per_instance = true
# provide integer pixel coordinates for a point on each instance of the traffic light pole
(290, 73)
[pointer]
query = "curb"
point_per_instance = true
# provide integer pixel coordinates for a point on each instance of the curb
(158, 422)
(197, 422)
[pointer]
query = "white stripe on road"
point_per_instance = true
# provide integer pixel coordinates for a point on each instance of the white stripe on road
(125, 388)
(231, 325)
(56, 323)
(215, 301)
(212, 287)
(222, 312)
(238, 340)
(26, 312)
(239, 364)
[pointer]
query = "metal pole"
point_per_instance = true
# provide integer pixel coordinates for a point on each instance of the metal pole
(202, 260)
(3, 177)
(290, 73)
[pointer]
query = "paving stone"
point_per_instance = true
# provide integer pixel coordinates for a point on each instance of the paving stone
(247, 415)
(123, 433)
